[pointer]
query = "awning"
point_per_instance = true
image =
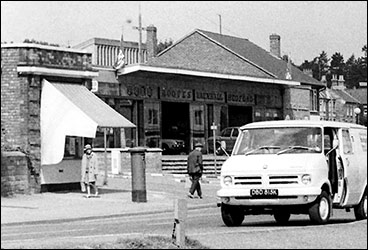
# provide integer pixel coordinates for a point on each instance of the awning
(71, 109)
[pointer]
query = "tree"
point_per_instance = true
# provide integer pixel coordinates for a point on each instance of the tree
(352, 72)
(337, 65)
(163, 45)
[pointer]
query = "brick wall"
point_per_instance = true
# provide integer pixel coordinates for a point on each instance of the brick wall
(20, 120)
(14, 173)
(296, 103)
(21, 101)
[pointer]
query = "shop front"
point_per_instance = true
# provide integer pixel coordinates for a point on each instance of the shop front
(183, 108)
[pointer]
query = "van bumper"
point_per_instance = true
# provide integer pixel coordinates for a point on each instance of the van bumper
(242, 197)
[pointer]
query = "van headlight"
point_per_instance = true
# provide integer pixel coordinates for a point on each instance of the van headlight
(306, 179)
(227, 180)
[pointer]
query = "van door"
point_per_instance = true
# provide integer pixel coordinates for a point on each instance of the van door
(348, 174)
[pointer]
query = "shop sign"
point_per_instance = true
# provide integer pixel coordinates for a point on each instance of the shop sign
(209, 96)
(241, 98)
(176, 94)
(141, 91)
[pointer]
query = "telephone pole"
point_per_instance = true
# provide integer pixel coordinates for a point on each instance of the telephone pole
(139, 28)
(220, 23)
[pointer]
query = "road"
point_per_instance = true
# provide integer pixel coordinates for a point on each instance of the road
(204, 225)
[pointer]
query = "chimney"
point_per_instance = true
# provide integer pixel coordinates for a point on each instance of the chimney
(151, 41)
(275, 45)
(341, 82)
(335, 82)
(308, 72)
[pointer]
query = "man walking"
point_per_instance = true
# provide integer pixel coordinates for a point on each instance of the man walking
(195, 170)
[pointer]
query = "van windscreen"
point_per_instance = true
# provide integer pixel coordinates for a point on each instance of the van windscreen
(279, 141)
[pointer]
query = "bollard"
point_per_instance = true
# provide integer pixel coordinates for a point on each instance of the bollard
(138, 166)
(180, 217)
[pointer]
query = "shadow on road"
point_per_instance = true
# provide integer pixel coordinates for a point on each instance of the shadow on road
(295, 223)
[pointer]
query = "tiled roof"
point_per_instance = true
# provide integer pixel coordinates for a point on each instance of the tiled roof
(360, 94)
(260, 57)
(345, 96)
(205, 51)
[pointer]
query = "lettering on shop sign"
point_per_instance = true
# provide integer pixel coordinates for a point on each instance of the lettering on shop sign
(175, 94)
(240, 98)
(140, 91)
(210, 96)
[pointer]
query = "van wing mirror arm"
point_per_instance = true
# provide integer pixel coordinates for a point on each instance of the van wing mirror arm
(332, 149)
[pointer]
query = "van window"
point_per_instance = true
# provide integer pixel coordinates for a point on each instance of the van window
(363, 141)
(346, 140)
(273, 140)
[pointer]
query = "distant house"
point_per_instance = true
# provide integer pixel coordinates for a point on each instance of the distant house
(361, 95)
(336, 104)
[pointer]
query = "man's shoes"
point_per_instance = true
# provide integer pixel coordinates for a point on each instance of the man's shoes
(190, 195)
(201, 197)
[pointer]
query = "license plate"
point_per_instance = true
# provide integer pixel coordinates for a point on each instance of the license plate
(264, 192)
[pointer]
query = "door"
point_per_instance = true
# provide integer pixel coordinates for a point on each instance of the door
(197, 124)
(347, 169)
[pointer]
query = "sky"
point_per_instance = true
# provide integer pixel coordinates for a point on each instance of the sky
(306, 27)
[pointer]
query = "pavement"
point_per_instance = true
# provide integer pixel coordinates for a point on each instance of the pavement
(114, 200)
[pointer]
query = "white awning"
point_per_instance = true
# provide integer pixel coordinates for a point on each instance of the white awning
(71, 109)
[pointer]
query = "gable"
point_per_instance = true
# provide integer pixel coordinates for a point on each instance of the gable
(199, 53)
(260, 57)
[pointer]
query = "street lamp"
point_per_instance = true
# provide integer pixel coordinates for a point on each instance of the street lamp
(357, 112)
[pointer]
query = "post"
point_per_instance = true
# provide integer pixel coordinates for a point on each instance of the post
(180, 217)
(214, 127)
(105, 157)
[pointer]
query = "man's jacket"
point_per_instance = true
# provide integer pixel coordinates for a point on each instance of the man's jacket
(195, 162)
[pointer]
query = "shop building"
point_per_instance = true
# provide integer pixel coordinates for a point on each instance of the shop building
(44, 131)
(203, 79)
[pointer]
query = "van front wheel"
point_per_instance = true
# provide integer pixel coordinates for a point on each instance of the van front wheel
(360, 210)
(231, 215)
(320, 210)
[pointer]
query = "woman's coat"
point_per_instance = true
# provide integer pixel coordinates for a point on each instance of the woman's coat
(89, 168)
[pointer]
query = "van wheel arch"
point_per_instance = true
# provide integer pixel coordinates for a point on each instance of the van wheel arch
(360, 210)
(321, 209)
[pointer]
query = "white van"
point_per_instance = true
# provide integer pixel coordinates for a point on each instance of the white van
(295, 167)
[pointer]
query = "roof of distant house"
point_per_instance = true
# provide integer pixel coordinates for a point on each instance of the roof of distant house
(360, 94)
(345, 96)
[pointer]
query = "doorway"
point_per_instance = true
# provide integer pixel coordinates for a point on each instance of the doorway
(176, 121)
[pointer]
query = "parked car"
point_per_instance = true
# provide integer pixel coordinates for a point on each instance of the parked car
(224, 142)
(173, 146)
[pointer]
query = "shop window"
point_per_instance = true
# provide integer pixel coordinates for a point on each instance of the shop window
(198, 117)
(73, 147)
(153, 117)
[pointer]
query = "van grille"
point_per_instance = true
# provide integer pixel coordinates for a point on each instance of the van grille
(248, 180)
(283, 179)
(271, 180)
